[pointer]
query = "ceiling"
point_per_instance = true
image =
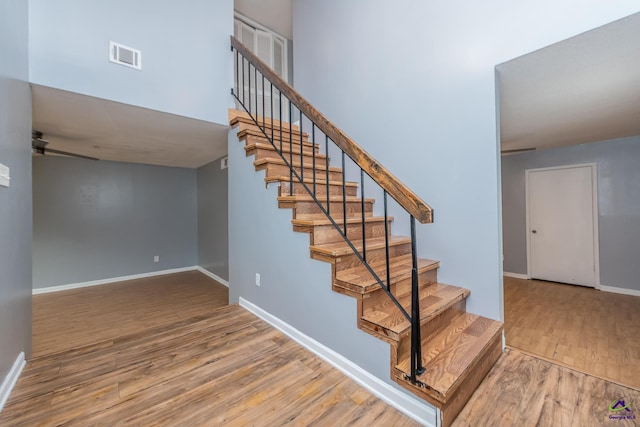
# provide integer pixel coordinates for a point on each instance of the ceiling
(583, 89)
(110, 130)
(273, 14)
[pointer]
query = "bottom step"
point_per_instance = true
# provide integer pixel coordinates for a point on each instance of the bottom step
(461, 354)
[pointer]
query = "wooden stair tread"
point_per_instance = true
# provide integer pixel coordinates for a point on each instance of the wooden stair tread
(342, 248)
(285, 149)
(312, 222)
(335, 199)
(450, 355)
(306, 180)
(399, 268)
(434, 299)
(237, 116)
(306, 165)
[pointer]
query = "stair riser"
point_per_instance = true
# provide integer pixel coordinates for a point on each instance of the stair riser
(276, 170)
(321, 188)
(426, 278)
(311, 210)
(328, 233)
(373, 256)
(429, 329)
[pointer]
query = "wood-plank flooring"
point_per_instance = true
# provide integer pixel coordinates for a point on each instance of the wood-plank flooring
(525, 391)
(220, 366)
(583, 328)
(69, 319)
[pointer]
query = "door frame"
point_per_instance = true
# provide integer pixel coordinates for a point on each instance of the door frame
(594, 213)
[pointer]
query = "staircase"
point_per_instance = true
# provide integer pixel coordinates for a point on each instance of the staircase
(369, 263)
(458, 348)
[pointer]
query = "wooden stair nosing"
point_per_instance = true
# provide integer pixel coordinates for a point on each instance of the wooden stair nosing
(250, 149)
(400, 268)
(333, 199)
(306, 180)
(435, 299)
(246, 132)
(342, 248)
(324, 221)
(452, 354)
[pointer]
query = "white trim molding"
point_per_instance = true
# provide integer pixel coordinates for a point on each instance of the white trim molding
(212, 276)
(11, 379)
(516, 275)
(623, 291)
(37, 291)
(416, 409)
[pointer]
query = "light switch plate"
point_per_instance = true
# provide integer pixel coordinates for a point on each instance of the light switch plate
(4, 176)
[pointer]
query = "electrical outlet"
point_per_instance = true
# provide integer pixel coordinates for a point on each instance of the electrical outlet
(257, 279)
(156, 258)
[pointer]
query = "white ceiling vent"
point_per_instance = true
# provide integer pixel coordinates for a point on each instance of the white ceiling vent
(125, 55)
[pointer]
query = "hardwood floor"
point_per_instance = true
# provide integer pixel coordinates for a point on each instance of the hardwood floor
(524, 391)
(74, 318)
(201, 366)
(592, 331)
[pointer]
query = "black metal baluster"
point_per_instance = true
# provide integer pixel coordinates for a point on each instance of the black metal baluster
(243, 83)
(264, 122)
(301, 151)
(313, 155)
(280, 103)
(326, 152)
(344, 196)
(364, 238)
(271, 110)
(255, 79)
(237, 72)
(290, 152)
(249, 75)
(416, 343)
(386, 240)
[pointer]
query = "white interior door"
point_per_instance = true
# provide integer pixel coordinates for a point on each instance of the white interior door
(562, 225)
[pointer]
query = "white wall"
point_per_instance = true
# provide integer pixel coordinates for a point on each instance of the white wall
(15, 201)
(186, 59)
(414, 84)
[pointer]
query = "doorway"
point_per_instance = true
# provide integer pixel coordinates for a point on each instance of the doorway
(562, 226)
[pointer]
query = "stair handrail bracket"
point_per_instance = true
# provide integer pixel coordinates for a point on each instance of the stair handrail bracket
(254, 82)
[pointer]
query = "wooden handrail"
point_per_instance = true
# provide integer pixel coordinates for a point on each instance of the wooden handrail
(413, 204)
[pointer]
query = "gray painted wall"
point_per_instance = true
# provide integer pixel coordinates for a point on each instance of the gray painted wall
(414, 84)
(186, 62)
(99, 220)
(294, 287)
(15, 201)
(213, 232)
(618, 164)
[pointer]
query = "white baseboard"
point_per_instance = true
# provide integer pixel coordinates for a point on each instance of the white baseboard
(516, 275)
(624, 291)
(37, 291)
(413, 408)
(212, 276)
(11, 379)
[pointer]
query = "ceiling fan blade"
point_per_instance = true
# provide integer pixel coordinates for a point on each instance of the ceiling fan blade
(66, 153)
(517, 150)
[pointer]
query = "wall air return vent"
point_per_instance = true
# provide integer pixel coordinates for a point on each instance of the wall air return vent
(124, 55)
